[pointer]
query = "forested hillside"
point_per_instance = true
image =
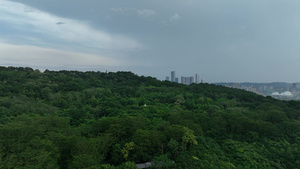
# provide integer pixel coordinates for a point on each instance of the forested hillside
(71, 119)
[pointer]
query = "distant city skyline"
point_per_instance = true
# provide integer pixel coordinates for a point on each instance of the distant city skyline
(187, 80)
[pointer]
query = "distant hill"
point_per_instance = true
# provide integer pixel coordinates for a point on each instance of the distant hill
(274, 84)
(73, 119)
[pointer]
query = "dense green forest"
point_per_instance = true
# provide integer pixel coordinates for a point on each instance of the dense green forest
(72, 119)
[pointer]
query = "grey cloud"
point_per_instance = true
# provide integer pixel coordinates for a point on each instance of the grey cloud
(120, 9)
(175, 17)
(230, 40)
(140, 12)
(146, 12)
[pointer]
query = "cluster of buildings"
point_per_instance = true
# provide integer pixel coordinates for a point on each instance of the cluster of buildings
(187, 80)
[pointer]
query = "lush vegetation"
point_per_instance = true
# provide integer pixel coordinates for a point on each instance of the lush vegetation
(71, 119)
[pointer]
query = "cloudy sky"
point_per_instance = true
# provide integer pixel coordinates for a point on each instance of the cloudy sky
(222, 40)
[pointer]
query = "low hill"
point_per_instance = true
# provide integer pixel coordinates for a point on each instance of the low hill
(72, 119)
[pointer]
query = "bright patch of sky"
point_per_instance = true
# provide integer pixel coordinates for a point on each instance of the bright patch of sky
(41, 38)
(38, 56)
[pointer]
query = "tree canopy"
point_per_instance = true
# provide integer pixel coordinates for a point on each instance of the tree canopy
(73, 119)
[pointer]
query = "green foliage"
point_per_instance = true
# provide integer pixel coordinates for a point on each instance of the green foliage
(127, 147)
(72, 119)
(189, 137)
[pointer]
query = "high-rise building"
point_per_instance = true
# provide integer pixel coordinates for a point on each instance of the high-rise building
(168, 78)
(192, 80)
(176, 80)
(197, 78)
(173, 75)
(187, 80)
(182, 80)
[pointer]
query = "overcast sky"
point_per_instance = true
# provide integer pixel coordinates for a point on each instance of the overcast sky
(222, 40)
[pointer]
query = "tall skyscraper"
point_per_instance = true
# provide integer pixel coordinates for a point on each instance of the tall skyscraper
(192, 80)
(182, 80)
(197, 78)
(173, 75)
(187, 80)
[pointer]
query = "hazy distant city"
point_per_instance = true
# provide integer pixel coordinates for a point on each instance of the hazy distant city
(278, 90)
